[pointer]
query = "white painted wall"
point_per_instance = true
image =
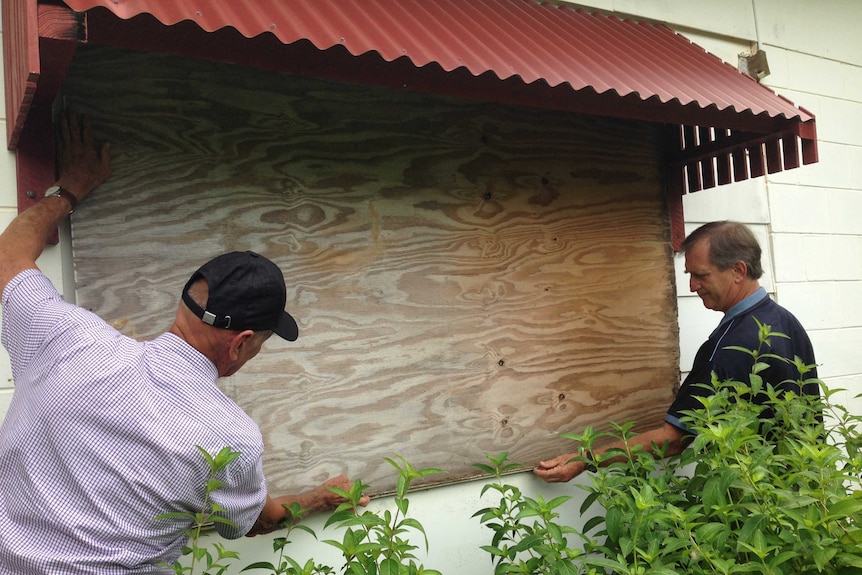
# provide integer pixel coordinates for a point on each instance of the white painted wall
(809, 220)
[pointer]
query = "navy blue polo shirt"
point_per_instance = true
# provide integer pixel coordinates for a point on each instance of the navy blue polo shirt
(738, 328)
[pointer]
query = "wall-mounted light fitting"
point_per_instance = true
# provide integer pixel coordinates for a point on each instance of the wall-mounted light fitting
(754, 64)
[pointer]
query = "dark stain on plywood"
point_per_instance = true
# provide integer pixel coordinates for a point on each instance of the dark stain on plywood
(467, 278)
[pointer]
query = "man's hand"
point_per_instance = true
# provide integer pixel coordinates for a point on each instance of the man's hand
(318, 499)
(330, 500)
(560, 468)
(664, 441)
(83, 166)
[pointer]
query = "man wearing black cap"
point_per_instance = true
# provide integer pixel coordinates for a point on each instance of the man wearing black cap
(101, 432)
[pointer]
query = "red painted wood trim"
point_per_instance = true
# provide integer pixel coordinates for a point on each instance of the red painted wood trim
(35, 157)
(21, 63)
(35, 161)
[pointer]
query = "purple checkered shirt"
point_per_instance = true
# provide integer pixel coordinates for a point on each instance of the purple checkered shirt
(100, 438)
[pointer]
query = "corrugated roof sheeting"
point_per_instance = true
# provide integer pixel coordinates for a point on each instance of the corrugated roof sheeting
(523, 38)
(722, 125)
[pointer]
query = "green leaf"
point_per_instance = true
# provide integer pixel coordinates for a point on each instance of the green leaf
(259, 565)
(340, 517)
(434, 471)
(589, 500)
(557, 501)
(753, 524)
(846, 508)
(850, 560)
(389, 567)
(485, 468)
(492, 550)
(566, 568)
(614, 523)
(593, 522)
(222, 520)
(305, 528)
(528, 542)
(823, 555)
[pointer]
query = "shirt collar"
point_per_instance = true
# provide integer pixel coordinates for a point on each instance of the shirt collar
(744, 305)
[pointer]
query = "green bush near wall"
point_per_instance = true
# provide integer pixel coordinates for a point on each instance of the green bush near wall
(777, 496)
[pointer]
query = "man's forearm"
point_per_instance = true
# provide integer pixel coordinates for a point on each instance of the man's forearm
(668, 439)
(274, 511)
(270, 516)
(24, 239)
(321, 498)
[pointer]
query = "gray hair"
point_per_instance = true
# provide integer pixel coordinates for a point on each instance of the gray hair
(729, 242)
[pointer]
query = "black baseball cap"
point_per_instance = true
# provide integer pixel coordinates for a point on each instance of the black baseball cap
(246, 291)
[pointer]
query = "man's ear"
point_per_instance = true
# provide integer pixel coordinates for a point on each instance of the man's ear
(237, 342)
(740, 269)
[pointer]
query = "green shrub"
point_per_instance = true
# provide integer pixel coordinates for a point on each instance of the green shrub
(527, 537)
(778, 496)
(372, 544)
(285, 564)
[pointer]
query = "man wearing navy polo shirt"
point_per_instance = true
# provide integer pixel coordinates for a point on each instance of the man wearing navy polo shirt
(723, 263)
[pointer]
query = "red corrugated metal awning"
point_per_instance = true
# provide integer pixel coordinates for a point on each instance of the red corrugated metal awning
(726, 126)
(535, 42)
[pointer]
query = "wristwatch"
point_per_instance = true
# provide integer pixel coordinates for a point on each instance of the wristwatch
(63, 193)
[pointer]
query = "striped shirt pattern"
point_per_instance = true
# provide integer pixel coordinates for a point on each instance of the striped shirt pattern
(100, 438)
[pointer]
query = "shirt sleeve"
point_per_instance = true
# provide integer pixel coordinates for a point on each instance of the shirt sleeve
(243, 496)
(694, 386)
(31, 309)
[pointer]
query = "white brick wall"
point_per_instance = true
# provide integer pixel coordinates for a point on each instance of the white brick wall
(815, 211)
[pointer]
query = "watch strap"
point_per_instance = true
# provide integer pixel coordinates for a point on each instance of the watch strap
(63, 193)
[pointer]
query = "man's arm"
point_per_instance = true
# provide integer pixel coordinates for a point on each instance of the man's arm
(314, 501)
(82, 168)
(560, 468)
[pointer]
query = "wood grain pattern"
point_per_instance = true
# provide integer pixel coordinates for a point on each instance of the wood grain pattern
(467, 278)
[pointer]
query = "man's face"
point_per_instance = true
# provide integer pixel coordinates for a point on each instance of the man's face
(716, 288)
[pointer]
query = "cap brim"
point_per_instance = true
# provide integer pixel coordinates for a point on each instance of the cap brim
(287, 328)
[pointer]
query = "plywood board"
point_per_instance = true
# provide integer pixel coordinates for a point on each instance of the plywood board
(467, 278)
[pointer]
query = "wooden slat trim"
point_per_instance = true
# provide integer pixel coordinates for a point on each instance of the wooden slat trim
(21, 66)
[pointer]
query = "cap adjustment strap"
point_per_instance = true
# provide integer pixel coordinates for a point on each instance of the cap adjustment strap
(211, 318)
(206, 316)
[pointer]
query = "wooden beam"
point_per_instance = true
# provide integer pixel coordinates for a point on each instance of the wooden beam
(59, 31)
(61, 23)
(21, 63)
